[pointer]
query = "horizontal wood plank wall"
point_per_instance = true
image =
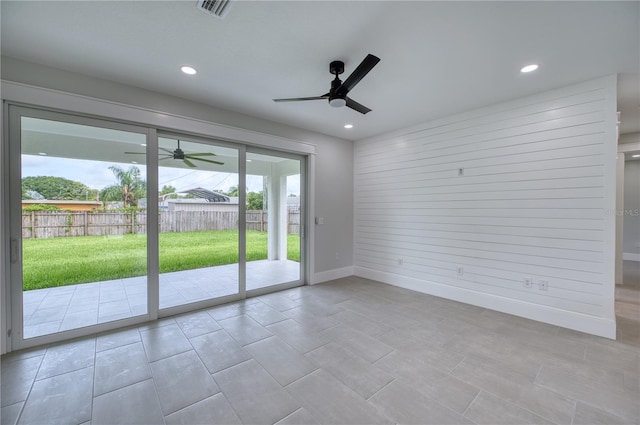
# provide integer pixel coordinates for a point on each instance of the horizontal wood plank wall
(508, 192)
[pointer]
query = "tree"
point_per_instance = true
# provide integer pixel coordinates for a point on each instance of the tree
(254, 201)
(50, 187)
(129, 187)
(167, 189)
(233, 191)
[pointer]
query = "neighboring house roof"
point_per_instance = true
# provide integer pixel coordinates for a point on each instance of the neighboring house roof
(207, 194)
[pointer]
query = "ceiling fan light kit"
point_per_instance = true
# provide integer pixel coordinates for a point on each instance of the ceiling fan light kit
(337, 96)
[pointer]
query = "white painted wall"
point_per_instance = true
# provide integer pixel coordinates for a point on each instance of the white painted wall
(631, 238)
(334, 182)
(535, 201)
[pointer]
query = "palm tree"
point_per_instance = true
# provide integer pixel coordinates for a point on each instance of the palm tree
(129, 186)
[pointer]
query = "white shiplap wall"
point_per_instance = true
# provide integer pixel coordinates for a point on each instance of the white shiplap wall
(534, 200)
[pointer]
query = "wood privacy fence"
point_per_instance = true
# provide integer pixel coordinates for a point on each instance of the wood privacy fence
(55, 224)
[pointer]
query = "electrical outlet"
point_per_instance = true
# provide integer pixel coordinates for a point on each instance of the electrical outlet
(461, 171)
(528, 282)
(460, 271)
(400, 261)
(543, 285)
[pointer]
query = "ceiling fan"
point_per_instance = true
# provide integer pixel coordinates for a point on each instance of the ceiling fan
(338, 94)
(185, 157)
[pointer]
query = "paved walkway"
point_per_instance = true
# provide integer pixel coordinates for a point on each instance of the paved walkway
(69, 307)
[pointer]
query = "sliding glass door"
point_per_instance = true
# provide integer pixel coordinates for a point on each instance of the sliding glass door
(112, 224)
(275, 213)
(78, 237)
(198, 221)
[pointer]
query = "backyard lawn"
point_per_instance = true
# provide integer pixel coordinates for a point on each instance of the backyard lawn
(70, 260)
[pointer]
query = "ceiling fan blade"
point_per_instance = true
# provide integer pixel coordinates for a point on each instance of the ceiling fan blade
(298, 99)
(357, 106)
(208, 160)
(358, 74)
(136, 153)
(201, 154)
(189, 163)
(166, 150)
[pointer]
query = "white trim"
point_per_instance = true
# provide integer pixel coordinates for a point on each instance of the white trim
(310, 227)
(628, 147)
(580, 322)
(153, 238)
(631, 256)
(609, 202)
(70, 102)
(332, 275)
(5, 290)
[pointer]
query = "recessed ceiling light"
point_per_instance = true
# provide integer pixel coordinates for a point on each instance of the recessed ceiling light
(529, 68)
(248, 160)
(143, 144)
(635, 156)
(348, 126)
(188, 70)
(134, 162)
(42, 153)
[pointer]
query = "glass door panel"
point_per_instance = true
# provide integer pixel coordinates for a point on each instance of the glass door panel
(198, 207)
(274, 211)
(83, 225)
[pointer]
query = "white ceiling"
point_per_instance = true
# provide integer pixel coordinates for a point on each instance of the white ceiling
(438, 58)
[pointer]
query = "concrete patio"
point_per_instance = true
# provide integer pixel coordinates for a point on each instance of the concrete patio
(69, 307)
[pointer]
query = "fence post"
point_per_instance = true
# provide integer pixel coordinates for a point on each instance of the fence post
(86, 223)
(33, 225)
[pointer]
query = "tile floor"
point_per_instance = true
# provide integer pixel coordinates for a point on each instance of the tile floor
(69, 307)
(352, 351)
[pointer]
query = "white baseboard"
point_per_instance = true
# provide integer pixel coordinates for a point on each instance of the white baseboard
(566, 319)
(631, 256)
(332, 275)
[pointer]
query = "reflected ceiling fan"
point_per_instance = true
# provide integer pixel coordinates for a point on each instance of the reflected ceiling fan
(337, 96)
(185, 157)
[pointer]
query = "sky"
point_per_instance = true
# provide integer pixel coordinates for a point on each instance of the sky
(96, 174)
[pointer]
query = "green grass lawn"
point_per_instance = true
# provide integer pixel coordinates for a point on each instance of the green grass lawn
(67, 261)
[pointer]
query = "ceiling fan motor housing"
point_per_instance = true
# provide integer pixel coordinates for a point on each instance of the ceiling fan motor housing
(336, 101)
(178, 154)
(336, 67)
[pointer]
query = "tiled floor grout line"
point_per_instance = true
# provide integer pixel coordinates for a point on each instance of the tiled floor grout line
(24, 403)
(535, 378)
(514, 403)
(380, 389)
(93, 381)
(471, 403)
(573, 414)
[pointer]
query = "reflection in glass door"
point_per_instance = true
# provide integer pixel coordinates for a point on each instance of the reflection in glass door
(274, 217)
(198, 221)
(80, 219)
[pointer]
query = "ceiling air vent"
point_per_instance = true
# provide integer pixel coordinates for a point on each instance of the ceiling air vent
(218, 8)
